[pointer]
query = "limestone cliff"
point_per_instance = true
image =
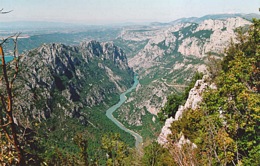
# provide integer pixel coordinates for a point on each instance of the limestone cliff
(171, 56)
(193, 101)
(189, 39)
(211, 36)
(60, 79)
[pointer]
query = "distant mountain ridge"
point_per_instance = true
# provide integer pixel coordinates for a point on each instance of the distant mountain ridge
(206, 17)
(52, 24)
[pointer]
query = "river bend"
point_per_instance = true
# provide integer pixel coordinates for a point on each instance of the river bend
(109, 114)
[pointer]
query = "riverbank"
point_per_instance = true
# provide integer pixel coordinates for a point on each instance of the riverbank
(109, 113)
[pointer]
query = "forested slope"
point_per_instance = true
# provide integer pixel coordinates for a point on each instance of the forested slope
(225, 127)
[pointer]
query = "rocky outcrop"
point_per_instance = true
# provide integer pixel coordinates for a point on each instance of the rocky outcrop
(189, 39)
(59, 79)
(193, 101)
(211, 36)
(208, 36)
(171, 56)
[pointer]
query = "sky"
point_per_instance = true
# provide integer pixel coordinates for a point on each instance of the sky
(120, 11)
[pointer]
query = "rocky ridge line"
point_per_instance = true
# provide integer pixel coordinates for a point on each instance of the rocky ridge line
(193, 102)
(56, 77)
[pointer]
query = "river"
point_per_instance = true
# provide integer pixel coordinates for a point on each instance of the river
(7, 59)
(109, 113)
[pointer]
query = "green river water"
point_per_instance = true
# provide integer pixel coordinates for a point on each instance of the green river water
(109, 114)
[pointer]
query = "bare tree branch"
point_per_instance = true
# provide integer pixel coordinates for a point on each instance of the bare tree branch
(16, 59)
(4, 12)
(10, 128)
(4, 40)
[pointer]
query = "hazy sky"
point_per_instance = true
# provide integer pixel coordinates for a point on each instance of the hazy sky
(115, 11)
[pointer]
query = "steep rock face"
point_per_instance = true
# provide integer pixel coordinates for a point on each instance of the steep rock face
(60, 79)
(193, 101)
(155, 49)
(189, 39)
(171, 56)
(211, 36)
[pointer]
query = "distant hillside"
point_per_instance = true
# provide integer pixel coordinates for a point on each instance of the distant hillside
(216, 17)
(206, 17)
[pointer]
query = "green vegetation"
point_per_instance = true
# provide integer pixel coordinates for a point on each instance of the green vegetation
(160, 76)
(131, 48)
(202, 34)
(177, 99)
(187, 31)
(68, 38)
(56, 134)
(162, 45)
(63, 111)
(224, 29)
(225, 128)
(115, 149)
(148, 129)
(156, 155)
